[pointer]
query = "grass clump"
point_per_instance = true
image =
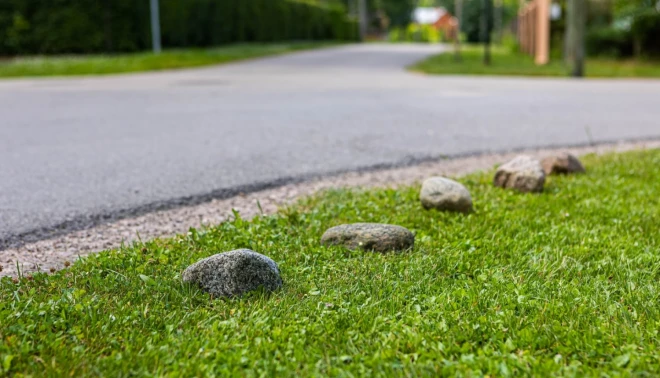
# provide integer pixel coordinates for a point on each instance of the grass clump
(507, 62)
(124, 63)
(563, 283)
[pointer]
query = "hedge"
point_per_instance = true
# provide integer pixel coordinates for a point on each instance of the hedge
(609, 42)
(645, 31)
(108, 26)
(641, 40)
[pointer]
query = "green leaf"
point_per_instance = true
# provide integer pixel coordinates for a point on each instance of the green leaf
(622, 360)
(6, 363)
(146, 279)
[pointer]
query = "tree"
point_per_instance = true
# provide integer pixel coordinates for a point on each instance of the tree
(623, 8)
(458, 12)
(575, 36)
(398, 11)
(486, 27)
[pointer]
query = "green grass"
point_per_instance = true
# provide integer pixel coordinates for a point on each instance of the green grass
(168, 59)
(562, 283)
(506, 62)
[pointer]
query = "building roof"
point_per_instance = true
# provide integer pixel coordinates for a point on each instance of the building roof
(428, 16)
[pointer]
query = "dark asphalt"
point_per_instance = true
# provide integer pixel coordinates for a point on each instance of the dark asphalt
(77, 151)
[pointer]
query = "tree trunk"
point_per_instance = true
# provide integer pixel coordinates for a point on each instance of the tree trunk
(576, 25)
(363, 19)
(498, 20)
(485, 33)
(458, 5)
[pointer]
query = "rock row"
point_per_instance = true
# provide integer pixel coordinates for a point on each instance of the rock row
(234, 273)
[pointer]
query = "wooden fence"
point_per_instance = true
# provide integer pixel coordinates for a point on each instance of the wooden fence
(534, 30)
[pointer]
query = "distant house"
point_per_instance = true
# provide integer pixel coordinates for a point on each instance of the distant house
(439, 18)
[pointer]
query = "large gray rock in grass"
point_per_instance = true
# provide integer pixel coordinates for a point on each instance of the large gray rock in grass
(370, 236)
(523, 173)
(562, 163)
(444, 194)
(234, 273)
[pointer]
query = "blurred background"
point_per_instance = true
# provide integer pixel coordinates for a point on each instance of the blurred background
(76, 151)
(611, 29)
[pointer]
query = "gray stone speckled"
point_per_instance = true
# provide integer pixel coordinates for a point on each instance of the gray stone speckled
(523, 173)
(562, 163)
(370, 236)
(234, 273)
(444, 194)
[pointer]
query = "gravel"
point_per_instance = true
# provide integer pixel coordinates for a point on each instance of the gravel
(54, 253)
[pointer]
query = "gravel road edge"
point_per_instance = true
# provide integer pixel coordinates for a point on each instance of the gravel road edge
(53, 253)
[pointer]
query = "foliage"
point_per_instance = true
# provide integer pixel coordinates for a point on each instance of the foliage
(137, 62)
(511, 63)
(472, 14)
(646, 32)
(416, 33)
(611, 42)
(83, 26)
(564, 283)
(398, 11)
(625, 8)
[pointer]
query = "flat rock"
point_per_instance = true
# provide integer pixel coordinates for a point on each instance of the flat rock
(234, 273)
(444, 194)
(523, 173)
(562, 163)
(370, 236)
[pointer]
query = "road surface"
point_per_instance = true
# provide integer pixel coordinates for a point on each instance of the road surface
(75, 151)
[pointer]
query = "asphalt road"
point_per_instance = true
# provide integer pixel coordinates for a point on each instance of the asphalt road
(74, 151)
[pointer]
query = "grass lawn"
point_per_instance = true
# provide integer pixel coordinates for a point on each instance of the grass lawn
(562, 283)
(506, 62)
(169, 59)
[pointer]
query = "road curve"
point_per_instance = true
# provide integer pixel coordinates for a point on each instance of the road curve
(78, 151)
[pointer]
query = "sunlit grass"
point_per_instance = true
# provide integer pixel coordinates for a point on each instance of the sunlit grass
(508, 63)
(123, 63)
(564, 283)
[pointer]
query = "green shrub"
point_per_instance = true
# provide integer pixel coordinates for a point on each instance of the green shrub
(609, 42)
(415, 33)
(396, 34)
(90, 26)
(646, 33)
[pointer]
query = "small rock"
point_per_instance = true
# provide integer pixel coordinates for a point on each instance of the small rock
(234, 273)
(370, 236)
(562, 163)
(444, 194)
(522, 173)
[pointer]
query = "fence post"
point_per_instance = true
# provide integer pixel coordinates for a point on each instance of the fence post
(543, 32)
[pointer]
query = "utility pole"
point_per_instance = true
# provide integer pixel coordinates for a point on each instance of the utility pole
(155, 27)
(363, 19)
(576, 25)
(458, 10)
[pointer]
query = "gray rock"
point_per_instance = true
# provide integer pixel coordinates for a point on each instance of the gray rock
(522, 173)
(234, 273)
(370, 236)
(444, 194)
(562, 163)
